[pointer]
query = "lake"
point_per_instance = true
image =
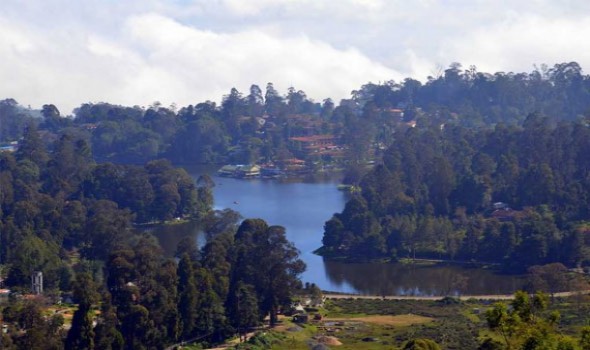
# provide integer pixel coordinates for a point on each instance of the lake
(303, 207)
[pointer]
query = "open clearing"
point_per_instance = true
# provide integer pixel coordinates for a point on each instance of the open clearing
(398, 320)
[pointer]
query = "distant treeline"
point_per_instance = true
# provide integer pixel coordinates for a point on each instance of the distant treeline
(234, 132)
(516, 195)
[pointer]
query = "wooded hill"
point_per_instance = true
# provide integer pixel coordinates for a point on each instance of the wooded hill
(258, 126)
(516, 195)
(72, 219)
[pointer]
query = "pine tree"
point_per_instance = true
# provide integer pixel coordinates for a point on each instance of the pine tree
(187, 297)
(81, 335)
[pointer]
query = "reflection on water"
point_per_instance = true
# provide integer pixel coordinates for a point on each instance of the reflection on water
(303, 208)
(410, 279)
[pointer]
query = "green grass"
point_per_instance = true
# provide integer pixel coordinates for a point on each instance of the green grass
(455, 325)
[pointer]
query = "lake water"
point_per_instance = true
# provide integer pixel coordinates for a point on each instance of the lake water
(303, 208)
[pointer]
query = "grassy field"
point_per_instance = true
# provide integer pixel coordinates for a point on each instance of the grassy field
(388, 324)
(370, 324)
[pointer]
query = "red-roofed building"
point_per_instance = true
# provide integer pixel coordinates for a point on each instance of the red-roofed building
(305, 146)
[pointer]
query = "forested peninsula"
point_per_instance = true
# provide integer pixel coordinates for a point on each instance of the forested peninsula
(515, 195)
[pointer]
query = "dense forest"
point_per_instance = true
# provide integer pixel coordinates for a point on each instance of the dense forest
(516, 195)
(74, 220)
(260, 126)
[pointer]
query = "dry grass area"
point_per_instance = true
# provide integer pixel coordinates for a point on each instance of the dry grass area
(398, 320)
(66, 312)
(328, 340)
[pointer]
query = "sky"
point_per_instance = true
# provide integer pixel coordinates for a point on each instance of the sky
(181, 52)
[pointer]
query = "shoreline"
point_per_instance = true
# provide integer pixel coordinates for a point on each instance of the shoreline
(335, 295)
(406, 260)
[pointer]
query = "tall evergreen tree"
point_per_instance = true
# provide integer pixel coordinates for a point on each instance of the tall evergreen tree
(81, 335)
(187, 297)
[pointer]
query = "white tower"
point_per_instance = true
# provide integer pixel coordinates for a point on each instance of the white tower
(37, 282)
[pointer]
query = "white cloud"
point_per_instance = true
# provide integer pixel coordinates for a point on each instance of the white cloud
(521, 42)
(157, 58)
(209, 64)
(186, 51)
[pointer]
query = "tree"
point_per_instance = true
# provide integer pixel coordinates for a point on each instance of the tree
(585, 338)
(211, 322)
(68, 166)
(204, 195)
(31, 147)
(107, 336)
(502, 321)
(216, 259)
(187, 245)
(273, 102)
(39, 332)
(13, 120)
(265, 259)
(526, 325)
(52, 118)
(165, 312)
(187, 297)
(244, 308)
(421, 344)
(35, 254)
(106, 227)
(136, 327)
(549, 278)
(255, 101)
(81, 334)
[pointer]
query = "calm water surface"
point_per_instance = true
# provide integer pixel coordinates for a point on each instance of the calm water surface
(303, 208)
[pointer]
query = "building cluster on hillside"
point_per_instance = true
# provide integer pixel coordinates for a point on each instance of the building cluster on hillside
(316, 145)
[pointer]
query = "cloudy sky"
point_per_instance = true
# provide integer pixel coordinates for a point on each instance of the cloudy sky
(135, 52)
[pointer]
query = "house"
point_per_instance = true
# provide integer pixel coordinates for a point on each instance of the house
(240, 171)
(248, 171)
(298, 308)
(396, 113)
(10, 147)
(314, 140)
(315, 145)
(304, 124)
(291, 165)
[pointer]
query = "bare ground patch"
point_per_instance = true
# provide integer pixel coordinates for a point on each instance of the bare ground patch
(398, 320)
